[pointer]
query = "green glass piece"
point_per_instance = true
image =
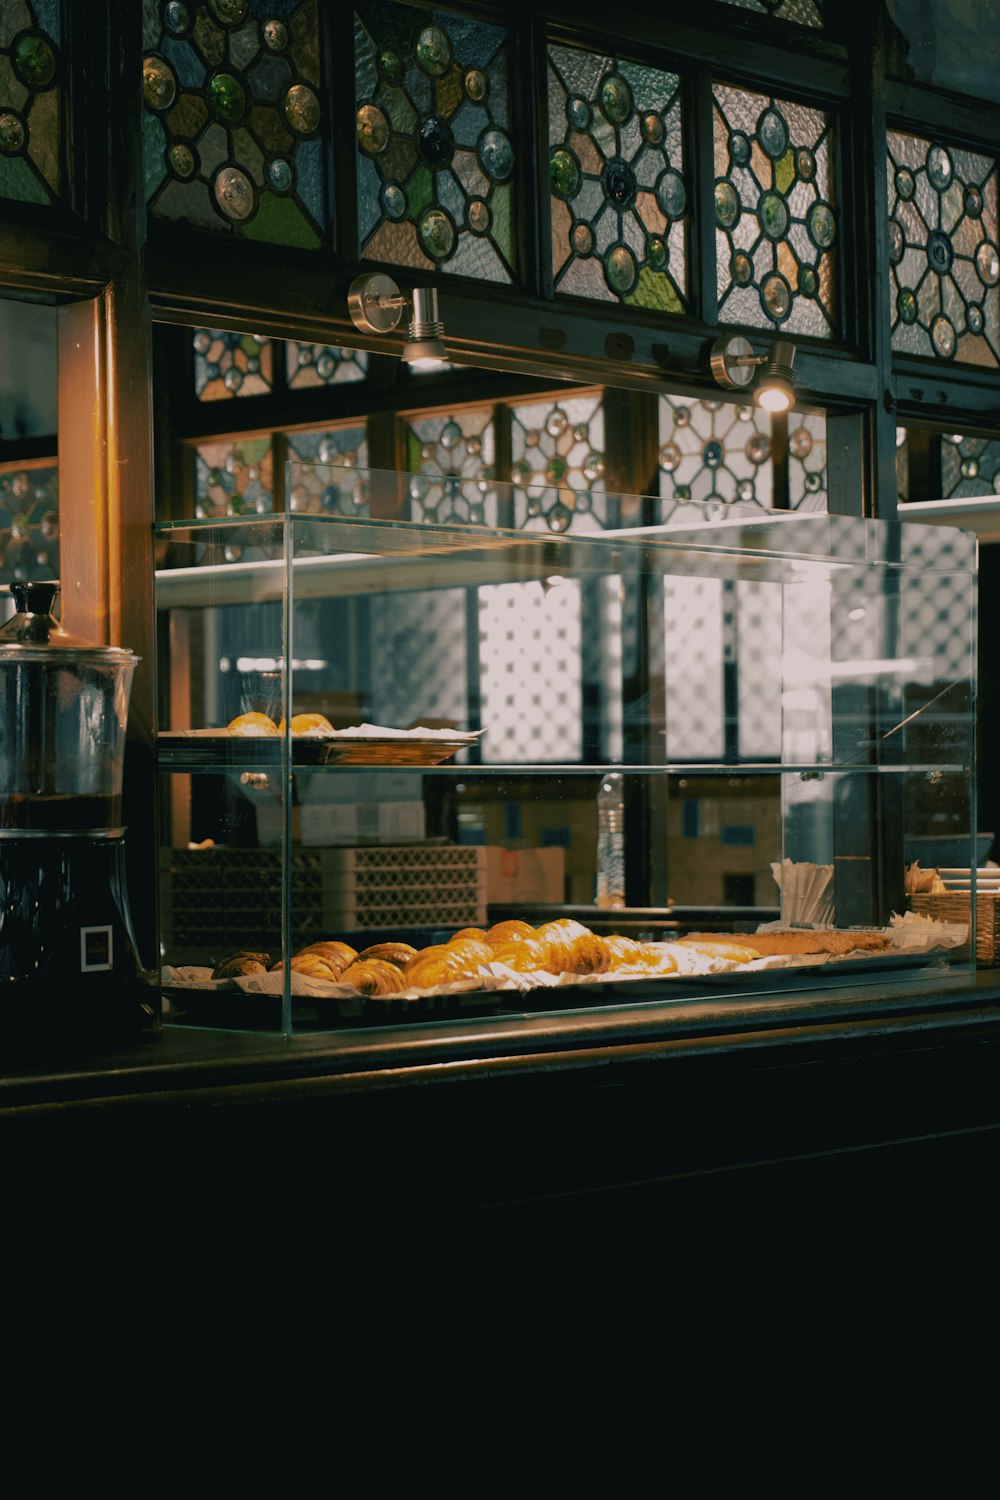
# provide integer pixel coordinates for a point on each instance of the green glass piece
(564, 173)
(35, 61)
(227, 98)
(655, 290)
(17, 180)
(807, 281)
(437, 233)
(433, 52)
(210, 38)
(12, 133)
(615, 99)
(773, 213)
(556, 469)
(280, 221)
(822, 225)
(620, 271)
(656, 252)
(390, 66)
(420, 191)
(784, 172)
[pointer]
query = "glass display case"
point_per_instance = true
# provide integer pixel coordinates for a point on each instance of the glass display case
(413, 772)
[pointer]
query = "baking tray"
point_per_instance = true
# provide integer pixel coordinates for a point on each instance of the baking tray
(195, 749)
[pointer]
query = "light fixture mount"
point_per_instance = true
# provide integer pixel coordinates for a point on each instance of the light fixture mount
(376, 306)
(733, 361)
(734, 365)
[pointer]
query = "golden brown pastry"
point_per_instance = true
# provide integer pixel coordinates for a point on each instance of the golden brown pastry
(502, 932)
(797, 940)
(469, 932)
(709, 946)
(374, 977)
(317, 966)
(391, 953)
(241, 963)
(252, 724)
(561, 936)
(308, 724)
(526, 955)
(474, 953)
(624, 952)
(588, 955)
(437, 964)
(334, 952)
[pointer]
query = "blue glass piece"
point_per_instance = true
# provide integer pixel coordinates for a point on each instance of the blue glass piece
(310, 178)
(47, 17)
(499, 102)
(184, 60)
(365, 70)
(474, 43)
(269, 77)
(451, 196)
(469, 124)
(418, 86)
(369, 187)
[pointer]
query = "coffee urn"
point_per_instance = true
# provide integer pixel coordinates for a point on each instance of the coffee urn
(68, 956)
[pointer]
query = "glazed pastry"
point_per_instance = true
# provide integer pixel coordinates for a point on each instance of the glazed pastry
(335, 953)
(318, 966)
(252, 724)
(561, 936)
(474, 953)
(588, 955)
(502, 932)
(392, 953)
(469, 932)
(241, 963)
(374, 978)
(308, 724)
(715, 947)
(526, 955)
(625, 952)
(437, 964)
(798, 940)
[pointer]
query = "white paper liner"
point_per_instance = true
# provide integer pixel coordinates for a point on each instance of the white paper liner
(805, 892)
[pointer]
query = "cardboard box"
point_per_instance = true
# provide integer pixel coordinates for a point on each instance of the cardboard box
(525, 875)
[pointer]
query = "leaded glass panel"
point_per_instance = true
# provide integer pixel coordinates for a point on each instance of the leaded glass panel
(775, 213)
(799, 12)
(557, 465)
(323, 364)
(230, 364)
(436, 164)
(452, 464)
(346, 494)
(969, 466)
(233, 118)
(530, 678)
(616, 173)
(944, 250)
(31, 101)
(234, 478)
(714, 452)
(29, 521)
(807, 476)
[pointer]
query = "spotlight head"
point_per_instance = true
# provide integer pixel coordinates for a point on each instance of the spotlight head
(733, 364)
(376, 305)
(776, 387)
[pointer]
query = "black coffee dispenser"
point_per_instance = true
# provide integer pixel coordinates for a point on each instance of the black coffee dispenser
(67, 949)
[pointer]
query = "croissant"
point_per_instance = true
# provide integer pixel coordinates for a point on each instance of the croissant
(317, 966)
(524, 955)
(588, 955)
(625, 952)
(398, 954)
(469, 932)
(437, 964)
(374, 977)
(334, 952)
(241, 963)
(502, 932)
(561, 936)
(473, 953)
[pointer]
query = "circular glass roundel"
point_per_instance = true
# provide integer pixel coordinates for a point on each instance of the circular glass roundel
(451, 436)
(773, 213)
(619, 183)
(202, 341)
(896, 242)
(741, 268)
(593, 467)
(615, 99)
(301, 109)
(671, 194)
(34, 60)
(556, 469)
(390, 66)
(682, 417)
(437, 233)
(275, 36)
(234, 194)
(906, 305)
(739, 149)
(988, 263)
(822, 225)
(727, 205)
(436, 142)
(582, 238)
(773, 133)
(433, 52)
(476, 85)
(758, 449)
(393, 201)
(176, 17)
(805, 164)
(564, 173)
(670, 457)
(939, 168)
(477, 215)
(975, 318)
(712, 454)
(559, 518)
(520, 472)
(656, 252)
(556, 422)
(813, 481)
(800, 443)
(227, 98)
(939, 252)
(496, 155)
(620, 270)
(943, 337)
(578, 112)
(12, 133)
(745, 490)
(373, 129)
(905, 184)
(181, 159)
(776, 296)
(159, 86)
(973, 202)
(280, 174)
(652, 130)
(808, 281)
(970, 468)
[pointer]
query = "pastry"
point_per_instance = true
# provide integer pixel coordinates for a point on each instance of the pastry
(733, 952)
(793, 940)
(374, 977)
(308, 724)
(472, 932)
(502, 932)
(474, 953)
(561, 936)
(392, 953)
(625, 952)
(588, 955)
(437, 964)
(318, 966)
(334, 952)
(241, 963)
(526, 955)
(252, 724)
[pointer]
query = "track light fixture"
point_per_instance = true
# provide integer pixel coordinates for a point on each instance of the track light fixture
(376, 306)
(733, 365)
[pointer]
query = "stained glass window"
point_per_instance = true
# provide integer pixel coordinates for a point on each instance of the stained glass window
(232, 119)
(775, 213)
(345, 491)
(436, 163)
(323, 364)
(969, 466)
(31, 101)
(451, 460)
(801, 12)
(557, 464)
(234, 478)
(807, 476)
(714, 451)
(29, 522)
(943, 250)
(616, 173)
(230, 364)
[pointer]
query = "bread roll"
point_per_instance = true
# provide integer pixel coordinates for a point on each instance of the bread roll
(391, 953)
(374, 977)
(252, 724)
(241, 963)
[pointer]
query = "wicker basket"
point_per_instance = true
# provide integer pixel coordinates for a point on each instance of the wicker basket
(956, 906)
